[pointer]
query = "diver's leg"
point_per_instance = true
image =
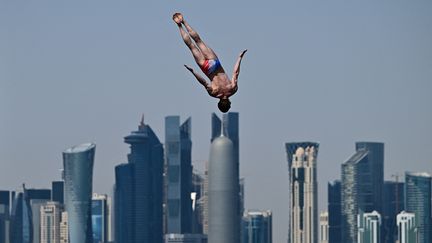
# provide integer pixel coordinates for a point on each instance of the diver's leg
(207, 51)
(199, 57)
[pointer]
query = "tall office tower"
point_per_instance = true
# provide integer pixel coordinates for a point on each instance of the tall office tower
(178, 150)
(204, 201)
(21, 228)
(303, 208)
(362, 182)
(334, 209)
(78, 176)
(35, 205)
(324, 227)
(57, 191)
(185, 238)
(407, 229)
(100, 212)
(393, 203)
(197, 205)
(369, 227)
(418, 201)
(257, 226)
(4, 216)
(50, 215)
(223, 192)
(64, 228)
(139, 189)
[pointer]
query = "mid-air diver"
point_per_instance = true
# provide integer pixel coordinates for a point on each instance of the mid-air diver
(221, 86)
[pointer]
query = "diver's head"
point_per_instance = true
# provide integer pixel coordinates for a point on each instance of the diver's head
(224, 105)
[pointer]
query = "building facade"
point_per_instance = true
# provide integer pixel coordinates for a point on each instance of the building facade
(21, 224)
(418, 201)
(178, 157)
(139, 190)
(362, 185)
(185, 238)
(257, 227)
(57, 191)
(100, 218)
(78, 176)
(334, 208)
(407, 229)
(369, 227)
(50, 218)
(324, 227)
(64, 228)
(303, 208)
(393, 203)
(4, 216)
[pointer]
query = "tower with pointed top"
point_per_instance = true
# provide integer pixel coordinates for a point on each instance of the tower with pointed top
(303, 207)
(223, 192)
(139, 189)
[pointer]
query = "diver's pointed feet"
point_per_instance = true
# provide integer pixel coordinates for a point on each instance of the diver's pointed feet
(178, 18)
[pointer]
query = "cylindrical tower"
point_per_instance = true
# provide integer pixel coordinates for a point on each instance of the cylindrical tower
(78, 174)
(223, 193)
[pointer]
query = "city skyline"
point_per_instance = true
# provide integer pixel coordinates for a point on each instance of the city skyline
(72, 72)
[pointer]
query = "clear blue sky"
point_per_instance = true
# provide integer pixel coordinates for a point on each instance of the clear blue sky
(329, 71)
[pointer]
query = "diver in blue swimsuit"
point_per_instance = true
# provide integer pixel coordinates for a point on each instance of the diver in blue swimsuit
(221, 86)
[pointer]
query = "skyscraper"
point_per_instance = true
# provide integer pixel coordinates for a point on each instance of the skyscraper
(223, 193)
(4, 216)
(362, 183)
(100, 212)
(334, 209)
(418, 201)
(197, 203)
(393, 203)
(369, 227)
(303, 208)
(64, 228)
(50, 217)
(407, 229)
(78, 175)
(57, 191)
(21, 228)
(257, 227)
(178, 157)
(324, 227)
(35, 205)
(139, 190)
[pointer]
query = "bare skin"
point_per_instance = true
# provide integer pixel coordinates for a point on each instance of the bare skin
(221, 86)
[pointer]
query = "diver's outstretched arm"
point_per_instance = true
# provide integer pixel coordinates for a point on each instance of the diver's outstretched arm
(199, 78)
(236, 71)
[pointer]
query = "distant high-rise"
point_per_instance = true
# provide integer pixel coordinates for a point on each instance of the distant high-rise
(197, 203)
(21, 226)
(407, 229)
(393, 203)
(57, 191)
(64, 228)
(418, 201)
(35, 205)
(362, 184)
(334, 209)
(185, 238)
(324, 227)
(257, 227)
(223, 193)
(369, 227)
(303, 207)
(43, 194)
(50, 217)
(178, 150)
(4, 216)
(139, 190)
(78, 176)
(100, 221)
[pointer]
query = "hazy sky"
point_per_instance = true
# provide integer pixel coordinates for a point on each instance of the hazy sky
(335, 72)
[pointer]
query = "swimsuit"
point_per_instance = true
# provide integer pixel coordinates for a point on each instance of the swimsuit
(210, 66)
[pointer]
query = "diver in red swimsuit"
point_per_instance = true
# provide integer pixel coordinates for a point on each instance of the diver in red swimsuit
(221, 86)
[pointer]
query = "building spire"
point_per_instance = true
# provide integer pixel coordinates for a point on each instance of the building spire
(222, 128)
(142, 120)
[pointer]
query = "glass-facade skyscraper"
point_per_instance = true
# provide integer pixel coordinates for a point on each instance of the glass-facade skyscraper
(78, 176)
(178, 157)
(257, 226)
(362, 185)
(100, 218)
(303, 188)
(4, 215)
(21, 226)
(57, 191)
(393, 203)
(139, 190)
(334, 209)
(418, 201)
